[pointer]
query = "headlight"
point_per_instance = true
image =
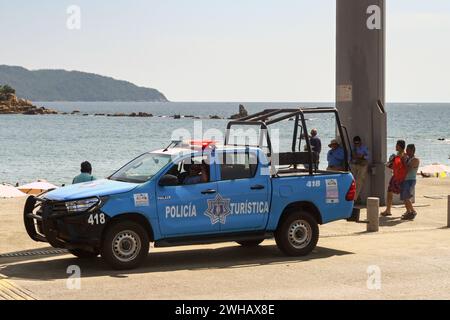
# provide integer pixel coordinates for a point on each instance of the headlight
(81, 205)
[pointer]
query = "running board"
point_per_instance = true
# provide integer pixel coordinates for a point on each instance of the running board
(211, 239)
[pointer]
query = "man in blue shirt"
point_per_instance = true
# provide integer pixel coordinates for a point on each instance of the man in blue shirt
(85, 175)
(360, 164)
(316, 145)
(336, 157)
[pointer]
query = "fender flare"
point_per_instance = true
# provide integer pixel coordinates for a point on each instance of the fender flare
(136, 217)
(306, 206)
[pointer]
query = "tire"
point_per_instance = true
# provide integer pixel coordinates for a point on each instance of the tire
(297, 234)
(125, 245)
(83, 254)
(250, 243)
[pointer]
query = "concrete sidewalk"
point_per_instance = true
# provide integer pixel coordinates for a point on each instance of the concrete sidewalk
(412, 258)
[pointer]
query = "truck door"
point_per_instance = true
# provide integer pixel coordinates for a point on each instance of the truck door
(243, 190)
(182, 208)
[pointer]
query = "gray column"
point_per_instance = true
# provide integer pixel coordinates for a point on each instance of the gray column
(360, 82)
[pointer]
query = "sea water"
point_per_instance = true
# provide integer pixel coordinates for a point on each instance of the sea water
(52, 147)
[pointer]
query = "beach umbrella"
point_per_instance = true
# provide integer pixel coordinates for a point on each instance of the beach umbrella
(10, 192)
(37, 187)
(435, 169)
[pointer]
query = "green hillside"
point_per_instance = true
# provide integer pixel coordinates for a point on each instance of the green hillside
(61, 85)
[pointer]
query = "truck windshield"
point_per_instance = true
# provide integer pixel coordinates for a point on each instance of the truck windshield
(142, 169)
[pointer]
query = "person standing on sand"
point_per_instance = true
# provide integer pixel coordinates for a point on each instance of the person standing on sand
(360, 164)
(409, 185)
(85, 175)
(397, 164)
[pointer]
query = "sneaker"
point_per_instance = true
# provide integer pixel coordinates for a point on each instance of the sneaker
(409, 216)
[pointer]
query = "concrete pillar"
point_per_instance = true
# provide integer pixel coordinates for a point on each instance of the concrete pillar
(360, 83)
(373, 214)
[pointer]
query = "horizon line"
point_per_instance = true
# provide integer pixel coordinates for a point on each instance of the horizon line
(238, 101)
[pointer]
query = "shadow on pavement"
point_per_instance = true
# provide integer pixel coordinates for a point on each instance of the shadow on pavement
(207, 259)
(391, 222)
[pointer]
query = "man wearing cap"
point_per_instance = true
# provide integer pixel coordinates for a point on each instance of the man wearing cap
(336, 157)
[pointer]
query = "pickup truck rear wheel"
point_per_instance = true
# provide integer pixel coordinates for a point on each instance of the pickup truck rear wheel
(125, 245)
(84, 254)
(250, 243)
(297, 234)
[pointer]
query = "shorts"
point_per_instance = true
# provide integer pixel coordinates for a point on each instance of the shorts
(395, 186)
(408, 189)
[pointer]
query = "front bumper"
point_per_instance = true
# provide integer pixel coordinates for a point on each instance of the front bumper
(49, 221)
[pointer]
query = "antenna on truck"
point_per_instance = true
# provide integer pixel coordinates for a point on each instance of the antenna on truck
(174, 143)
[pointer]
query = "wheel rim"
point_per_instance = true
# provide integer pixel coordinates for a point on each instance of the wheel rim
(300, 234)
(126, 246)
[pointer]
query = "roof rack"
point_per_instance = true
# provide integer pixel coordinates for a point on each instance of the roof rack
(269, 117)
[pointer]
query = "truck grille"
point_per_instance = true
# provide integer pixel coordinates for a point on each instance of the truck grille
(54, 208)
(59, 208)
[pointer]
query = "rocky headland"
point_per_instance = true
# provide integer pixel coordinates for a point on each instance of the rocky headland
(11, 104)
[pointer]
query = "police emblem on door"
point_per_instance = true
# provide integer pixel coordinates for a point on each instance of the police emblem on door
(218, 210)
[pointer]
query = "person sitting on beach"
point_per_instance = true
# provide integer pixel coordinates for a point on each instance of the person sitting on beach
(336, 157)
(85, 175)
(409, 185)
(398, 167)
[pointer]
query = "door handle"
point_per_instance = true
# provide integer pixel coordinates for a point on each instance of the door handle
(209, 191)
(258, 187)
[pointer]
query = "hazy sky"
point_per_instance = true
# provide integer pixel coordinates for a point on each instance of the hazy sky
(217, 50)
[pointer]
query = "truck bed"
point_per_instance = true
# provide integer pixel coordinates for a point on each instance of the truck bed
(291, 172)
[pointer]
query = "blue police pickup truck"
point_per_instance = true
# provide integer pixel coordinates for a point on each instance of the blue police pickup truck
(197, 192)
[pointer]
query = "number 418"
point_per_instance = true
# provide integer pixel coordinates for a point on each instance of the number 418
(313, 184)
(95, 219)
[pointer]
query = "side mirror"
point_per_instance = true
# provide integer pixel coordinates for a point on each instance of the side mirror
(168, 181)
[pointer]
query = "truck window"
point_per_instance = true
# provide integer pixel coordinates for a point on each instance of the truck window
(237, 166)
(142, 169)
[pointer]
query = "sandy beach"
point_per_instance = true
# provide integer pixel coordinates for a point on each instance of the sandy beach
(413, 256)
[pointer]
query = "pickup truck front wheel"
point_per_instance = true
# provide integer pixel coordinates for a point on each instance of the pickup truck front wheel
(125, 245)
(297, 234)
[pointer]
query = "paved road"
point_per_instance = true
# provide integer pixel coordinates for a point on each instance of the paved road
(413, 258)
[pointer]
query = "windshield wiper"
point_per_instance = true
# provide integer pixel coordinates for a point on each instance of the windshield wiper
(120, 180)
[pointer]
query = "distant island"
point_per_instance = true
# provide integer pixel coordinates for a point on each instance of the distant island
(61, 85)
